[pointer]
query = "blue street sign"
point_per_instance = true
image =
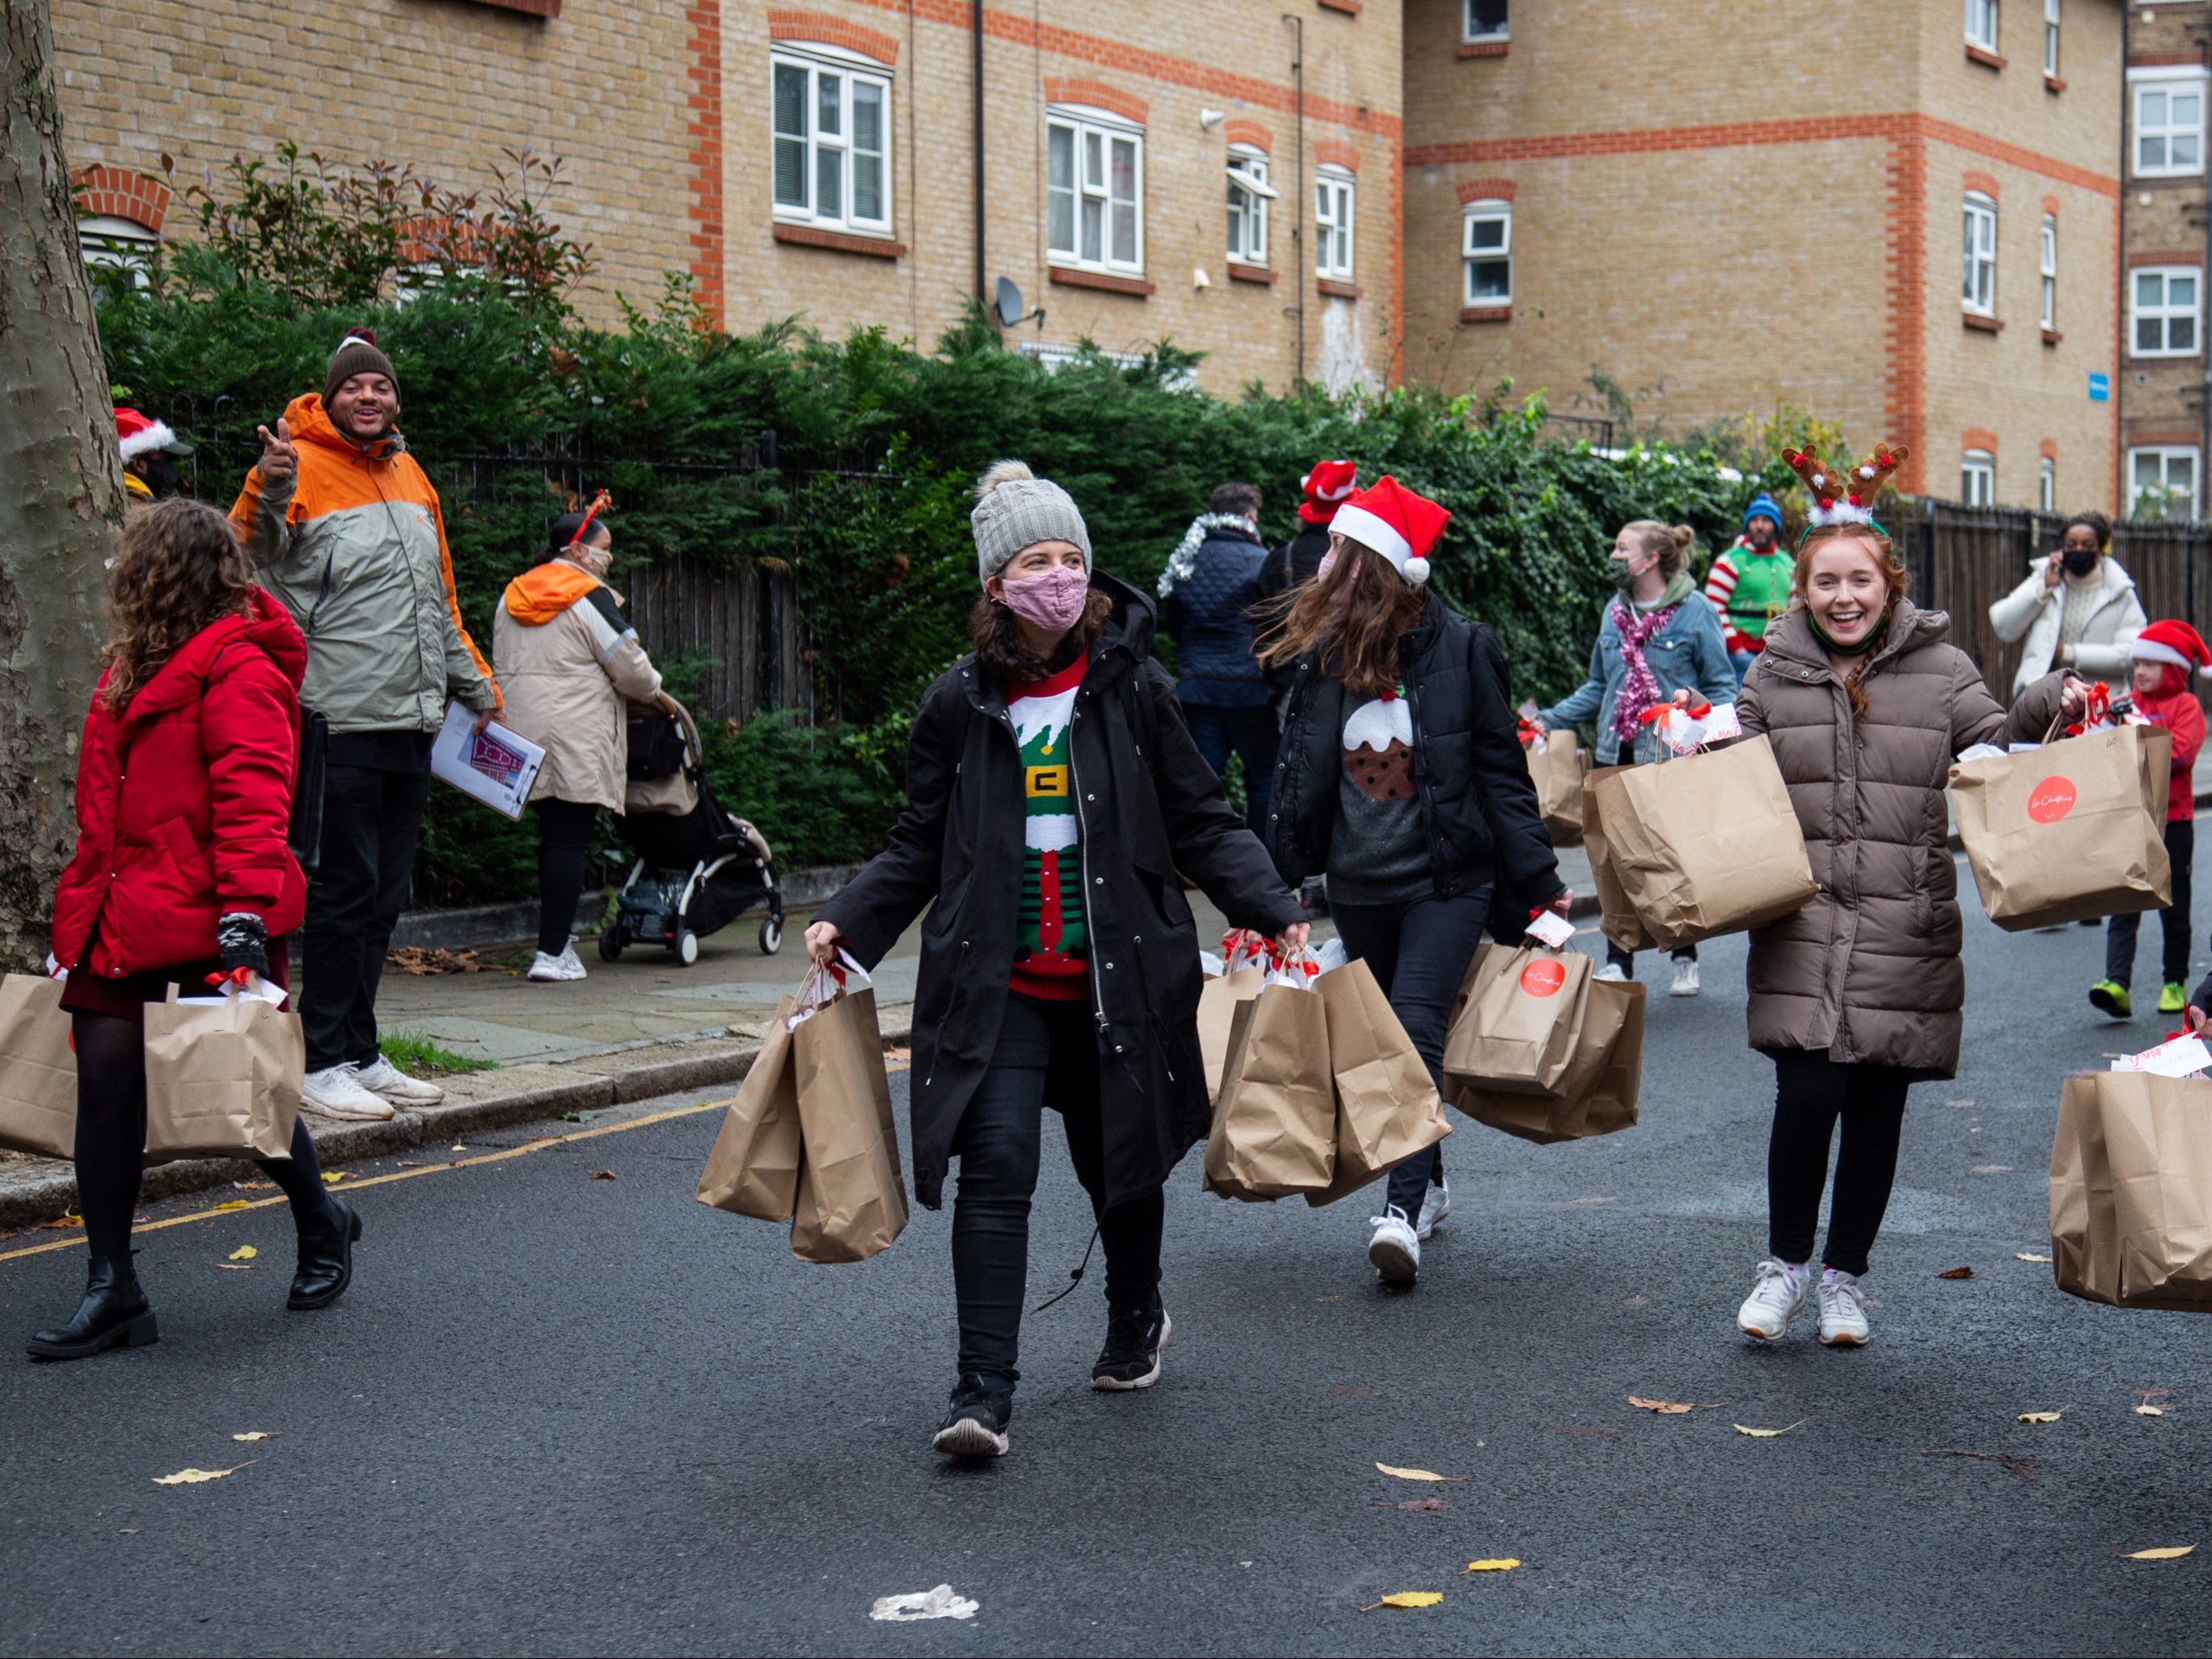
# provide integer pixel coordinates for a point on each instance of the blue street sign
(2100, 388)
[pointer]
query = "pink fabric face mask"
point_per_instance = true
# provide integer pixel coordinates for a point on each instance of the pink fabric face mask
(1052, 599)
(1329, 564)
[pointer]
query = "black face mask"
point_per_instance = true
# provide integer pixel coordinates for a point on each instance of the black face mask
(2079, 561)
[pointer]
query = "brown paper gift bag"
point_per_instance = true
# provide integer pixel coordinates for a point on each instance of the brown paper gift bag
(1274, 1124)
(1617, 917)
(1513, 1028)
(1704, 844)
(38, 1069)
(1558, 766)
(2073, 829)
(1598, 1094)
(851, 1200)
(1387, 1105)
(2131, 1191)
(1217, 1001)
(222, 1078)
(754, 1167)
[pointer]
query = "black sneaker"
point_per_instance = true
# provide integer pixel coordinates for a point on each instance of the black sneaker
(975, 1424)
(1131, 1357)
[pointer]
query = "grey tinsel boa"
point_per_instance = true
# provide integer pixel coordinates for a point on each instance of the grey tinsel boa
(1183, 562)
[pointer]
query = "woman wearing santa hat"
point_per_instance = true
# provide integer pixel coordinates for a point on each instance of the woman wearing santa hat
(2162, 657)
(1401, 778)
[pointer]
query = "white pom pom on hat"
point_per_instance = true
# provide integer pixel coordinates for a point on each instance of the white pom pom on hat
(1402, 526)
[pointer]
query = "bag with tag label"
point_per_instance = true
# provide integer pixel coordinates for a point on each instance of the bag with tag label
(1513, 1025)
(38, 1069)
(224, 1075)
(2131, 1191)
(1274, 1122)
(1387, 1105)
(1596, 1094)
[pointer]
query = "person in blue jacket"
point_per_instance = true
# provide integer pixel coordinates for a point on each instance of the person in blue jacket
(1655, 637)
(1212, 581)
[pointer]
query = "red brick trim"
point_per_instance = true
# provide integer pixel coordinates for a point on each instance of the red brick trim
(106, 192)
(838, 241)
(1059, 90)
(2165, 256)
(1485, 190)
(1486, 314)
(527, 8)
(1241, 131)
(1483, 48)
(2163, 59)
(2049, 204)
(833, 32)
(1064, 277)
(2053, 336)
(2048, 449)
(1349, 7)
(1981, 324)
(2174, 435)
(703, 129)
(1987, 59)
(1980, 181)
(1336, 290)
(2052, 83)
(1251, 274)
(1976, 437)
(1905, 400)
(1335, 153)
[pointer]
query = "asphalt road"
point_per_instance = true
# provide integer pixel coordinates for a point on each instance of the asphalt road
(557, 1414)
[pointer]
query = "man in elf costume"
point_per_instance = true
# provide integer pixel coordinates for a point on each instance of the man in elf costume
(1750, 584)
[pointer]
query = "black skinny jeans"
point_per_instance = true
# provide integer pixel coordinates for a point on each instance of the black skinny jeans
(564, 842)
(371, 818)
(1418, 954)
(1811, 1092)
(2122, 932)
(1047, 1052)
(111, 1138)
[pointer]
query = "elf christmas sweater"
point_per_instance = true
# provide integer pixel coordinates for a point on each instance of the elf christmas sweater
(1052, 956)
(1749, 590)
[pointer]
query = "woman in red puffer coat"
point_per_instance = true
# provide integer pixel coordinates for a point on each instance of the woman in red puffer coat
(183, 799)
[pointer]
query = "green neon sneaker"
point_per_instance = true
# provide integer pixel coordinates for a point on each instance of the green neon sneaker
(2171, 998)
(2112, 996)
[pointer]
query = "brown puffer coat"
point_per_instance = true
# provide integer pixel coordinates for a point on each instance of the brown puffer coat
(1869, 970)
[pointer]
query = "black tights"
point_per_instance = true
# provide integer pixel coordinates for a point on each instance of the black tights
(564, 844)
(1811, 1092)
(110, 1137)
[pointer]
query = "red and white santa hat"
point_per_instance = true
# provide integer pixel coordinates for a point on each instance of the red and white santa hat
(2174, 642)
(138, 435)
(1396, 522)
(1326, 488)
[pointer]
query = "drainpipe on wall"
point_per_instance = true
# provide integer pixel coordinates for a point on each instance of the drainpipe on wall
(982, 269)
(2121, 503)
(1301, 268)
(2204, 436)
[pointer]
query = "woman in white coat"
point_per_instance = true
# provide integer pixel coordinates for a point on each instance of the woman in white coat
(2077, 608)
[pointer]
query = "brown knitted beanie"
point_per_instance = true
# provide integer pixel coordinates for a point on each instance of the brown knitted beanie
(356, 355)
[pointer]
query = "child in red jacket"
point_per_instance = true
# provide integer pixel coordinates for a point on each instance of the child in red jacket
(2163, 655)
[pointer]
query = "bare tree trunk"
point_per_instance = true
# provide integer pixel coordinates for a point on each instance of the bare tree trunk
(61, 487)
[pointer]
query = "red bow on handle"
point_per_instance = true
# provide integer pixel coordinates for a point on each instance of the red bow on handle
(1659, 711)
(1529, 732)
(2096, 709)
(835, 970)
(242, 978)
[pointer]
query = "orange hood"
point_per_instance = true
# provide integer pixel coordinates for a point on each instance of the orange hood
(539, 595)
(311, 423)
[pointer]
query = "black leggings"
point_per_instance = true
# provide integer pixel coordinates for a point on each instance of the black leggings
(1811, 1091)
(110, 1137)
(1047, 1051)
(564, 842)
(2122, 932)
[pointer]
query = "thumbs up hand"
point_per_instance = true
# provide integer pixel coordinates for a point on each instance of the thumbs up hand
(280, 462)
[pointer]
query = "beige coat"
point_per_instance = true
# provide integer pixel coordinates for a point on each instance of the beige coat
(1869, 971)
(568, 658)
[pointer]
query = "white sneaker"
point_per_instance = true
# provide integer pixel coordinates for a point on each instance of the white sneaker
(1613, 973)
(1436, 1205)
(1843, 1310)
(1685, 979)
(554, 969)
(336, 1091)
(382, 1076)
(1777, 1296)
(1395, 1250)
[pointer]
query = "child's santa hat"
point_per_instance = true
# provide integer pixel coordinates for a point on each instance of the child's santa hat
(2174, 642)
(1326, 488)
(1396, 522)
(138, 435)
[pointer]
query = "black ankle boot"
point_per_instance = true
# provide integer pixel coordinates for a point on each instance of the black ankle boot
(114, 1312)
(325, 1257)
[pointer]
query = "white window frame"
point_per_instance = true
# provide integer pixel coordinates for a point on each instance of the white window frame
(2167, 84)
(2050, 38)
(1084, 124)
(2046, 484)
(1977, 479)
(1470, 216)
(106, 242)
(2164, 456)
(2047, 267)
(1978, 256)
(839, 149)
(1472, 30)
(2165, 313)
(1982, 24)
(1247, 207)
(1336, 213)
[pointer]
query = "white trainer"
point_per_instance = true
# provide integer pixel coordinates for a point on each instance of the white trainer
(336, 1091)
(1686, 978)
(554, 969)
(1436, 1205)
(1777, 1296)
(1613, 973)
(1843, 1312)
(1395, 1250)
(382, 1076)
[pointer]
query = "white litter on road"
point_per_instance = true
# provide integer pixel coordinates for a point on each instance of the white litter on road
(939, 1603)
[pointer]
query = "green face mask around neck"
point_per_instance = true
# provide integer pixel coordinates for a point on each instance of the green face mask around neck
(1857, 648)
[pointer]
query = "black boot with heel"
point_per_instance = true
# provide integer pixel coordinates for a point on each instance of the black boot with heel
(113, 1314)
(325, 1257)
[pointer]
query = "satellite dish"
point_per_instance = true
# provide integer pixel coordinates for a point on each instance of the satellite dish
(1009, 302)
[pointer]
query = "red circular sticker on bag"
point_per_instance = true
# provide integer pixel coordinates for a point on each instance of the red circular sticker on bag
(1543, 976)
(2051, 800)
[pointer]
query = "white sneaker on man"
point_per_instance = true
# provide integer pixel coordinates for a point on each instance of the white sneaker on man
(1777, 1296)
(1613, 973)
(382, 1076)
(336, 1092)
(1686, 978)
(1843, 1312)
(554, 969)
(1395, 1250)
(1436, 1205)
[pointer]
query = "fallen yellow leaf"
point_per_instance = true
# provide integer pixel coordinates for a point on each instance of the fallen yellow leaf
(1416, 1475)
(1412, 1599)
(1494, 1564)
(1768, 1434)
(2150, 1411)
(235, 1266)
(258, 1434)
(331, 1177)
(2029, 1256)
(2170, 1553)
(193, 1477)
(2042, 1417)
(244, 1253)
(1665, 1408)
(229, 1204)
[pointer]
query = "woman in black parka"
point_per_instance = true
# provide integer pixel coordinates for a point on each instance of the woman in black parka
(1403, 779)
(1052, 795)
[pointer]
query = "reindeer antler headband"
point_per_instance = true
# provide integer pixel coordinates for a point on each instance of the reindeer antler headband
(1847, 496)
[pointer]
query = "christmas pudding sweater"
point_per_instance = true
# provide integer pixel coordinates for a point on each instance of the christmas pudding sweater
(1052, 956)
(1378, 851)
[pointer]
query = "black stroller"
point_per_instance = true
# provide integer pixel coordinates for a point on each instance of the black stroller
(698, 868)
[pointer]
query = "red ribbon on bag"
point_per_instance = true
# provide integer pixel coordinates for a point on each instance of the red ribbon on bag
(1529, 732)
(242, 978)
(1696, 711)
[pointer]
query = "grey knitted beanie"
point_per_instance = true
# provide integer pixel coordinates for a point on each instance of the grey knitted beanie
(1015, 510)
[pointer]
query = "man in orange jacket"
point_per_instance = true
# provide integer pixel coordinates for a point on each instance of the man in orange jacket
(347, 533)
